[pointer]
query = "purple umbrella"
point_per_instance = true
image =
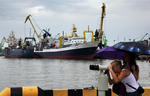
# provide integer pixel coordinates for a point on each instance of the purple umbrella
(110, 53)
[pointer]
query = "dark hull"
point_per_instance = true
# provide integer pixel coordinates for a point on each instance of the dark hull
(83, 53)
(18, 53)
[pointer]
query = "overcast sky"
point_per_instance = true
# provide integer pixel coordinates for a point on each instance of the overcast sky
(124, 19)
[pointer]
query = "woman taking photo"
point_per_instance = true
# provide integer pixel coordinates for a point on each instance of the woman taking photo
(126, 77)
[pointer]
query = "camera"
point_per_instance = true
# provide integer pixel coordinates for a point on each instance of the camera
(98, 68)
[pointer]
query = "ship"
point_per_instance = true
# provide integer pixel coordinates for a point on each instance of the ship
(68, 47)
(72, 47)
(74, 51)
(14, 48)
(18, 53)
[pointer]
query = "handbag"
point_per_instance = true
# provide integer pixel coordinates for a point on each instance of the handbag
(119, 89)
(140, 90)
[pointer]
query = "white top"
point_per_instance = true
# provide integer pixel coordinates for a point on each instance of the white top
(131, 81)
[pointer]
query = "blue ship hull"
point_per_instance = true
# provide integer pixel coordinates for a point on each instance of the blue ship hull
(18, 53)
(77, 51)
(82, 53)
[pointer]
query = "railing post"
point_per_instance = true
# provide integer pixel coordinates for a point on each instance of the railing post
(102, 83)
(102, 79)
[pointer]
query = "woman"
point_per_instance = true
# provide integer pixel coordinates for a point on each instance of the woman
(126, 77)
(130, 64)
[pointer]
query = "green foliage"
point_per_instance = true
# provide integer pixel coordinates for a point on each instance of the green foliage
(104, 39)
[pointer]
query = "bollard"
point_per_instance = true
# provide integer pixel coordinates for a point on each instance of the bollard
(102, 79)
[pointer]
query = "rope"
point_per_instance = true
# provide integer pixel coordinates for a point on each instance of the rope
(24, 29)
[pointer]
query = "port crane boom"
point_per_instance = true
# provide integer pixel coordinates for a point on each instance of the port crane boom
(101, 23)
(143, 37)
(28, 18)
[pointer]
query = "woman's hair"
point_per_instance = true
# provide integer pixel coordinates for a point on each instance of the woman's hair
(131, 61)
(117, 63)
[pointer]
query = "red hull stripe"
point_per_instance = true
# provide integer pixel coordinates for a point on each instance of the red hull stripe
(69, 57)
(58, 57)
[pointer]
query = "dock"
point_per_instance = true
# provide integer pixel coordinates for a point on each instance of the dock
(37, 91)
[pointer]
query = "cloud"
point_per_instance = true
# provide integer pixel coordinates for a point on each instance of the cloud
(39, 11)
(124, 18)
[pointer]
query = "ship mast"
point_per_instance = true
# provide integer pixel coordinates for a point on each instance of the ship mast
(74, 30)
(101, 23)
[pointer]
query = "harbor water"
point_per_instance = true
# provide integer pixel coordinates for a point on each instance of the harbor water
(56, 73)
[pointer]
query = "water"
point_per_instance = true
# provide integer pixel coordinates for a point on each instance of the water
(56, 74)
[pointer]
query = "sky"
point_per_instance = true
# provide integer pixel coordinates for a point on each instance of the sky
(124, 20)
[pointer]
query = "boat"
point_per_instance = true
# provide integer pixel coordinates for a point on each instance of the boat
(71, 47)
(12, 49)
(64, 47)
(68, 47)
(74, 51)
(18, 53)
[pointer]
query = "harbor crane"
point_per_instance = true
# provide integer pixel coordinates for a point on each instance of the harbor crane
(28, 18)
(143, 37)
(101, 24)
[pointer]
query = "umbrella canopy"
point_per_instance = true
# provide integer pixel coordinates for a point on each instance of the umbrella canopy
(134, 47)
(111, 53)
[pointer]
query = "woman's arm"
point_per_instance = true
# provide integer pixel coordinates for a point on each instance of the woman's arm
(117, 79)
(109, 79)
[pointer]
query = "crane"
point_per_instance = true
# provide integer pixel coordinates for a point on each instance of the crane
(28, 18)
(101, 24)
(143, 37)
